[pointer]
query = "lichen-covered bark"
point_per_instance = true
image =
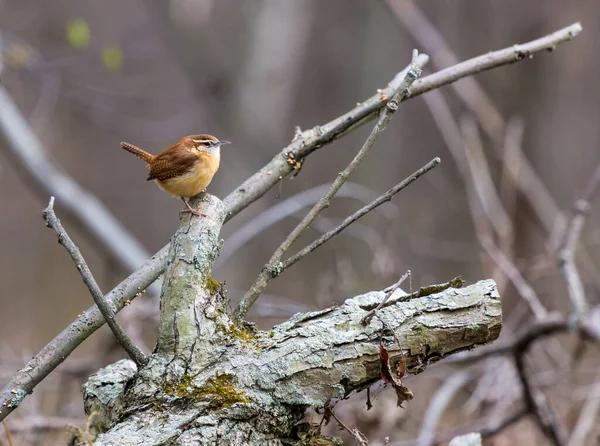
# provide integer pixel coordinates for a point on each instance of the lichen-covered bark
(213, 382)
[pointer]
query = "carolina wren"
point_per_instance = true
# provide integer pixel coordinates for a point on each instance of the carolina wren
(186, 168)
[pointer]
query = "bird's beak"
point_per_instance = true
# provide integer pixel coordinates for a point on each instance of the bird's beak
(223, 142)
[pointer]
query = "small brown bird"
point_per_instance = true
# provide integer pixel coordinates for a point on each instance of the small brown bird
(186, 168)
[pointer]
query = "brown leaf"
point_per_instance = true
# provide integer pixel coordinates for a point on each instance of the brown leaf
(403, 393)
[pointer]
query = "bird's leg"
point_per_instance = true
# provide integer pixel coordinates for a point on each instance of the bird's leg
(190, 209)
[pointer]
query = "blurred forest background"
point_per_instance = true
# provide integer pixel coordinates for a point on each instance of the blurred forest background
(88, 75)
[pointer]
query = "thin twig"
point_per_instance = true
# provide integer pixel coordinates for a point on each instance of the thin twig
(367, 319)
(358, 435)
(507, 189)
(480, 190)
(109, 315)
(512, 272)
(566, 255)
(257, 185)
(274, 266)
(588, 417)
(360, 213)
(472, 94)
(291, 206)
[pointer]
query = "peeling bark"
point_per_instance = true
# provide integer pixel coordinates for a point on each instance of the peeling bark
(211, 381)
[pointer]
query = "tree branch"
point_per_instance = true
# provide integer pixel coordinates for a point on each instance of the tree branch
(566, 255)
(360, 213)
(274, 266)
(109, 315)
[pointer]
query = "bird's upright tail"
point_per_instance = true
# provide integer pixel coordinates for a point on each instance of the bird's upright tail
(138, 152)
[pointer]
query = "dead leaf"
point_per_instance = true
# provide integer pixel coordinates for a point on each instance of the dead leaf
(403, 393)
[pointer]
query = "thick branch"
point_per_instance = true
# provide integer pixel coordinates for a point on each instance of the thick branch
(188, 292)
(273, 376)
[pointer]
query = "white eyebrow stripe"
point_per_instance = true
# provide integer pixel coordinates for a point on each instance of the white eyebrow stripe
(202, 141)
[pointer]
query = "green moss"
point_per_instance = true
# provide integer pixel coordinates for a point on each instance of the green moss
(223, 386)
(220, 387)
(213, 286)
(181, 388)
(235, 331)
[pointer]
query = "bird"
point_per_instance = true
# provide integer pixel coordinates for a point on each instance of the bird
(186, 168)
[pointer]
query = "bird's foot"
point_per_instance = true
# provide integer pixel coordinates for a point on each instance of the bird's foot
(188, 208)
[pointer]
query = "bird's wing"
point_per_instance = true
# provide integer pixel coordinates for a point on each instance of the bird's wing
(171, 164)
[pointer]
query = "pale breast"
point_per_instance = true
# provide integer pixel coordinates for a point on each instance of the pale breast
(193, 182)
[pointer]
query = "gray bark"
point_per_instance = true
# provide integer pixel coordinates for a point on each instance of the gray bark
(210, 381)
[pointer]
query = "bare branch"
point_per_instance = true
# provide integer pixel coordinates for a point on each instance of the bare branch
(274, 266)
(566, 255)
(525, 290)
(367, 319)
(483, 200)
(109, 315)
(360, 213)
(587, 418)
(291, 206)
(358, 435)
(478, 101)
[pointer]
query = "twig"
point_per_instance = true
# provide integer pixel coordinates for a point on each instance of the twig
(485, 190)
(587, 418)
(507, 189)
(360, 213)
(566, 255)
(367, 319)
(273, 267)
(480, 191)
(515, 276)
(109, 315)
(26, 379)
(478, 101)
(457, 282)
(290, 206)
(358, 435)
(309, 141)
